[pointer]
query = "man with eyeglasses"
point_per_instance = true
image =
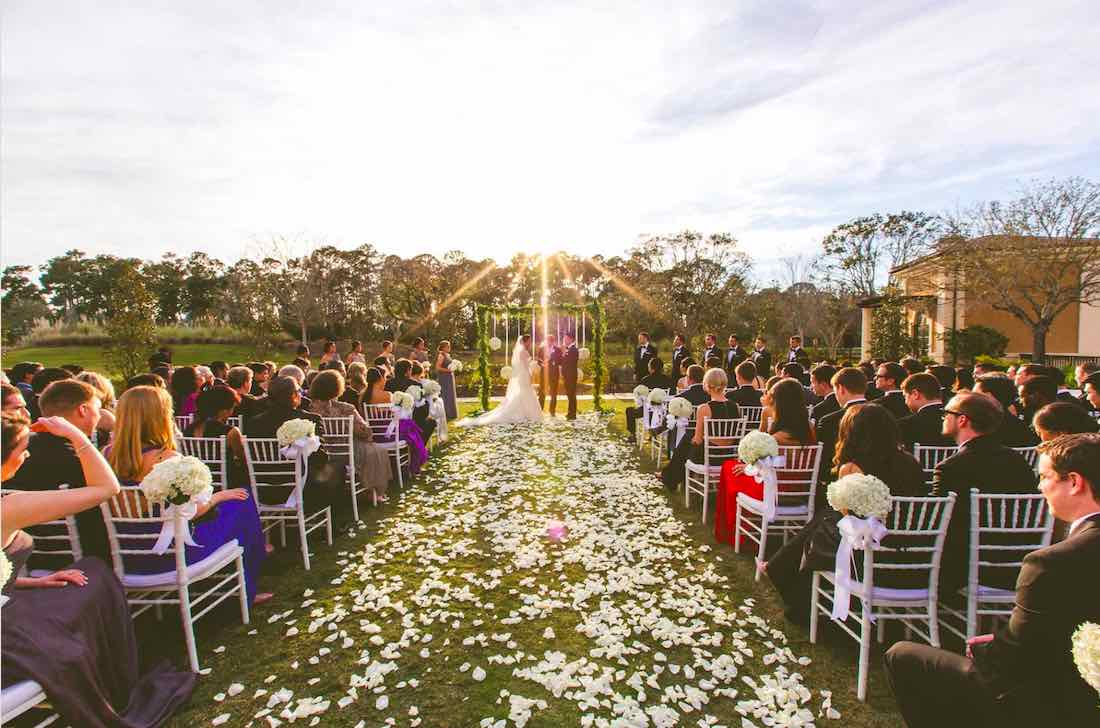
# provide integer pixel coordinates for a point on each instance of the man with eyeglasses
(888, 378)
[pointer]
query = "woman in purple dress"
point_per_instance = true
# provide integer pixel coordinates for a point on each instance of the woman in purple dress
(408, 430)
(75, 638)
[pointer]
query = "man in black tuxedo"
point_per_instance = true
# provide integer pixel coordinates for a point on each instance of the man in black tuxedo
(796, 353)
(1036, 393)
(946, 375)
(925, 425)
(1012, 431)
(1091, 389)
(239, 379)
(569, 359)
(550, 357)
(680, 352)
(656, 379)
(642, 355)
(1024, 675)
(695, 392)
(762, 358)
(734, 356)
(745, 394)
(821, 382)
(1081, 374)
(849, 386)
(869, 370)
(712, 350)
(971, 419)
(888, 379)
(400, 383)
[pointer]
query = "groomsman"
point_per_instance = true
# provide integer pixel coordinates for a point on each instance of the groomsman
(642, 355)
(797, 353)
(679, 353)
(712, 350)
(762, 358)
(734, 356)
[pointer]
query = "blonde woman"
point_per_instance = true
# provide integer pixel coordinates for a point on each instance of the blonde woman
(144, 436)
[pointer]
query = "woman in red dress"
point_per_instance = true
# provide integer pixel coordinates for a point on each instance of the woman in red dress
(785, 418)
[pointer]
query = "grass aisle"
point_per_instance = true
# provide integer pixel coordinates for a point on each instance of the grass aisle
(453, 608)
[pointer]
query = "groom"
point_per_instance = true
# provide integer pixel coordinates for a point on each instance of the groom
(569, 359)
(550, 356)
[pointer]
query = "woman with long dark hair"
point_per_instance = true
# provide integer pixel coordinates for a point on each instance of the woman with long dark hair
(184, 387)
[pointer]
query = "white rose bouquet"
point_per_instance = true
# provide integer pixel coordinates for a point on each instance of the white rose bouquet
(680, 407)
(416, 392)
(506, 372)
(755, 446)
(860, 494)
(583, 353)
(431, 388)
(456, 365)
(640, 393)
(402, 400)
(495, 343)
(293, 430)
(1086, 653)
(178, 480)
(657, 396)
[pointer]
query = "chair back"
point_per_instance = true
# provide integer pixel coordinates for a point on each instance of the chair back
(268, 469)
(798, 476)
(133, 526)
(183, 421)
(917, 529)
(379, 417)
(235, 421)
(1031, 454)
(720, 439)
(1004, 528)
(55, 541)
(338, 435)
(752, 416)
(213, 452)
(930, 456)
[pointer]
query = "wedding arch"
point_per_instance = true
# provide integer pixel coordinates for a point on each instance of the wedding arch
(586, 321)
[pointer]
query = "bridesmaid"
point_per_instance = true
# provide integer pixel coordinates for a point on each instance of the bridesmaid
(446, 379)
(355, 354)
(420, 350)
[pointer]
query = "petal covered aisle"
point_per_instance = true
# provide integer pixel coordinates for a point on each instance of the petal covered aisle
(470, 606)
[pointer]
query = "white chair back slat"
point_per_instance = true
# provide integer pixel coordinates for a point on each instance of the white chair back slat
(379, 417)
(235, 421)
(268, 469)
(183, 421)
(798, 476)
(720, 440)
(131, 507)
(214, 454)
(930, 456)
(752, 415)
(1030, 454)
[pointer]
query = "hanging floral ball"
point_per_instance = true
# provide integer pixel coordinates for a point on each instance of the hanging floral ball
(584, 353)
(495, 343)
(506, 372)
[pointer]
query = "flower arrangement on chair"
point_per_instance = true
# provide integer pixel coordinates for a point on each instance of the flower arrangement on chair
(866, 495)
(183, 483)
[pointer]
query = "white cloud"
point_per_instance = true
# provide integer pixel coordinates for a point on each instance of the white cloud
(423, 127)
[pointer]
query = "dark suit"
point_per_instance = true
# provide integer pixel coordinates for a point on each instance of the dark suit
(569, 359)
(1013, 432)
(894, 402)
(744, 395)
(642, 355)
(762, 358)
(250, 406)
(678, 355)
(925, 427)
(734, 356)
(798, 355)
(695, 394)
(1026, 675)
(824, 407)
(268, 422)
(989, 466)
(828, 429)
(711, 352)
(550, 376)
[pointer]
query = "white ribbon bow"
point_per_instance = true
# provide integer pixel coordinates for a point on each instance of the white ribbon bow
(639, 401)
(656, 416)
(186, 511)
(301, 449)
(679, 425)
(402, 414)
(439, 413)
(855, 533)
(763, 471)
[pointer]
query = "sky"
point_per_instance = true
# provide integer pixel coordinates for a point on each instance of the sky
(504, 127)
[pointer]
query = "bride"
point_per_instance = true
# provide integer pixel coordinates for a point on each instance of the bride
(520, 404)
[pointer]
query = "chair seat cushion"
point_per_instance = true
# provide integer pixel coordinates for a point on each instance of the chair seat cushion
(198, 570)
(991, 592)
(757, 506)
(881, 593)
(702, 468)
(392, 445)
(19, 697)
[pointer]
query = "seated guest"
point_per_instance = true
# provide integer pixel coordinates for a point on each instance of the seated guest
(298, 374)
(219, 369)
(888, 378)
(408, 430)
(790, 425)
(867, 443)
(964, 378)
(105, 390)
(656, 379)
(1036, 393)
(185, 390)
(384, 365)
(793, 370)
(260, 376)
(869, 369)
(205, 376)
(971, 420)
(21, 376)
(1062, 418)
(691, 447)
(333, 365)
(77, 642)
(1024, 675)
(371, 461)
(1091, 392)
(212, 411)
(41, 380)
(284, 403)
(821, 383)
(683, 382)
(911, 365)
(144, 436)
(51, 460)
(400, 383)
(302, 363)
(983, 367)
(745, 394)
(355, 384)
(13, 400)
(849, 385)
(1013, 432)
(165, 373)
(240, 380)
(946, 377)
(925, 425)
(694, 390)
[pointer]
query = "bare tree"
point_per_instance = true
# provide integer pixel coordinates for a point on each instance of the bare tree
(1031, 257)
(861, 252)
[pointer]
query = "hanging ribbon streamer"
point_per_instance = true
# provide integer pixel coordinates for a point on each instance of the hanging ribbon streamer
(855, 534)
(439, 414)
(656, 416)
(186, 512)
(300, 450)
(400, 414)
(763, 471)
(507, 349)
(678, 426)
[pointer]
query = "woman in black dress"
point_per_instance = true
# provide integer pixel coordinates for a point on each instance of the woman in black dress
(714, 382)
(77, 641)
(868, 442)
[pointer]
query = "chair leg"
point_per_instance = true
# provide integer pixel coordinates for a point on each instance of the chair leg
(354, 498)
(706, 489)
(763, 544)
(328, 523)
(243, 589)
(400, 475)
(934, 622)
(864, 651)
(737, 530)
(303, 537)
(971, 612)
(687, 488)
(880, 630)
(282, 531)
(813, 606)
(188, 627)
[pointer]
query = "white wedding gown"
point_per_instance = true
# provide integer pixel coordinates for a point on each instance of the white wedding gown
(521, 403)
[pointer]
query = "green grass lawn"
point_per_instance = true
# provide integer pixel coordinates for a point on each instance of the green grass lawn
(91, 357)
(444, 696)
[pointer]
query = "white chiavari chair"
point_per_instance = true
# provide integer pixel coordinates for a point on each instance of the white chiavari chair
(383, 420)
(720, 440)
(213, 451)
(930, 456)
(338, 434)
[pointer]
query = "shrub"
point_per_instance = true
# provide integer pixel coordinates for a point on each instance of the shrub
(975, 341)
